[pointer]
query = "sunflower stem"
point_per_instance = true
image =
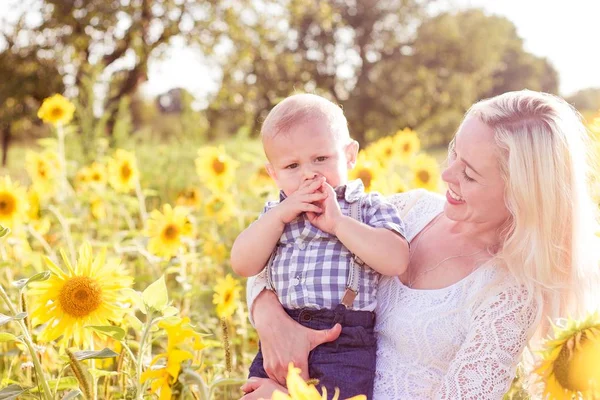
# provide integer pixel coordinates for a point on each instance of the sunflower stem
(29, 343)
(60, 134)
(66, 231)
(140, 357)
(142, 201)
(42, 241)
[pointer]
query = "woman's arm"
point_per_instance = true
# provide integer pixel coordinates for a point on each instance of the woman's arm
(485, 365)
(284, 340)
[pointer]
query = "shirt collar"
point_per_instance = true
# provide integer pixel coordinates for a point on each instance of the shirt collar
(350, 192)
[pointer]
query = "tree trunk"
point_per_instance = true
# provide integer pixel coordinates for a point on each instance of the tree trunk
(6, 136)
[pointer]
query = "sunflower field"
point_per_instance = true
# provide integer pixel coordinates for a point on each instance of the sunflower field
(107, 294)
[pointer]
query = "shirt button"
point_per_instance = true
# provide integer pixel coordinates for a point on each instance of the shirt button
(301, 245)
(295, 282)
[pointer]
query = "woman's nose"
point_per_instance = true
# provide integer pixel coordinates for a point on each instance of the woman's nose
(449, 174)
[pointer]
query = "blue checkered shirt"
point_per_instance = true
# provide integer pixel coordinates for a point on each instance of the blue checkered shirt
(310, 266)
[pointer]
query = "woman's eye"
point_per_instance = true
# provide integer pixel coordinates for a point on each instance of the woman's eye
(467, 177)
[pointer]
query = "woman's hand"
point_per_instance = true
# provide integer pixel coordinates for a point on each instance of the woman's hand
(284, 340)
(260, 388)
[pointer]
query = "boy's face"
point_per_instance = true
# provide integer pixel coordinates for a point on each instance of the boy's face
(308, 150)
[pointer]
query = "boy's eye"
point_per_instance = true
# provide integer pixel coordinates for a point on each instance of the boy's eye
(322, 158)
(292, 166)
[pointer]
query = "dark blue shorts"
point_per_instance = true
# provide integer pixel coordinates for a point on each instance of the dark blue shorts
(347, 363)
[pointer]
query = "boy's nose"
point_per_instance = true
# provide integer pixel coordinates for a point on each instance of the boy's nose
(309, 175)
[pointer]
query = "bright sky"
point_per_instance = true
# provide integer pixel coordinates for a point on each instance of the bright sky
(567, 33)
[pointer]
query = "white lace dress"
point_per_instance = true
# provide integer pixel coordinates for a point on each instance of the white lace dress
(460, 342)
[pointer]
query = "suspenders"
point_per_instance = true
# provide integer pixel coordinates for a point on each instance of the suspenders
(353, 271)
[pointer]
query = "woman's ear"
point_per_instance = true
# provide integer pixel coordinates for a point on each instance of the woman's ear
(351, 153)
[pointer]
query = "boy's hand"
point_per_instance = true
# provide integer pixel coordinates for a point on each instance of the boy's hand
(328, 219)
(302, 200)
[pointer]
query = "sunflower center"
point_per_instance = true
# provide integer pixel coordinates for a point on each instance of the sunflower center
(423, 176)
(227, 298)
(216, 205)
(366, 177)
(96, 177)
(562, 364)
(125, 171)
(42, 170)
(171, 232)
(7, 204)
(263, 173)
(406, 147)
(80, 296)
(218, 166)
(388, 151)
(56, 112)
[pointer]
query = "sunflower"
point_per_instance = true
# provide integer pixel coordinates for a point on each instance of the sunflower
(261, 182)
(13, 203)
(570, 367)
(383, 150)
(190, 197)
(226, 296)
(407, 144)
(39, 223)
(367, 170)
(215, 168)
(56, 110)
(300, 390)
(393, 185)
(90, 293)
(220, 207)
(166, 229)
(122, 171)
(43, 169)
(164, 378)
(426, 172)
(181, 340)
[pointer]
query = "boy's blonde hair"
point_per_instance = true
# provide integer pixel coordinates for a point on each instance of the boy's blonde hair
(299, 108)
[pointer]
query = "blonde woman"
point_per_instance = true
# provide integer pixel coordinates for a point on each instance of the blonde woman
(508, 248)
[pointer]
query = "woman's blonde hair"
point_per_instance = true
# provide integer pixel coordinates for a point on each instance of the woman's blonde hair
(549, 243)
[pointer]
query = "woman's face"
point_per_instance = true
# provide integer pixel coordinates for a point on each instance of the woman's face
(475, 185)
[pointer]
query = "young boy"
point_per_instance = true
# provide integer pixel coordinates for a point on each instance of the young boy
(323, 263)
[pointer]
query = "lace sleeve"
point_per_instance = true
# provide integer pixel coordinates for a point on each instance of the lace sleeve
(485, 364)
(254, 286)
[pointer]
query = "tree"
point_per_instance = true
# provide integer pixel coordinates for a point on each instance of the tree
(387, 63)
(586, 99)
(28, 77)
(121, 37)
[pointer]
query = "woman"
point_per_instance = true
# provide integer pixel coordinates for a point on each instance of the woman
(509, 247)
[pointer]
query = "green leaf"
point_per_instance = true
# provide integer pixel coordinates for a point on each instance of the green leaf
(65, 383)
(72, 394)
(136, 297)
(98, 373)
(5, 319)
(8, 337)
(21, 283)
(11, 392)
(111, 331)
(4, 231)
(170, 311)
(87, 354)
(20, 316)
(227, 382)
(155, 296)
